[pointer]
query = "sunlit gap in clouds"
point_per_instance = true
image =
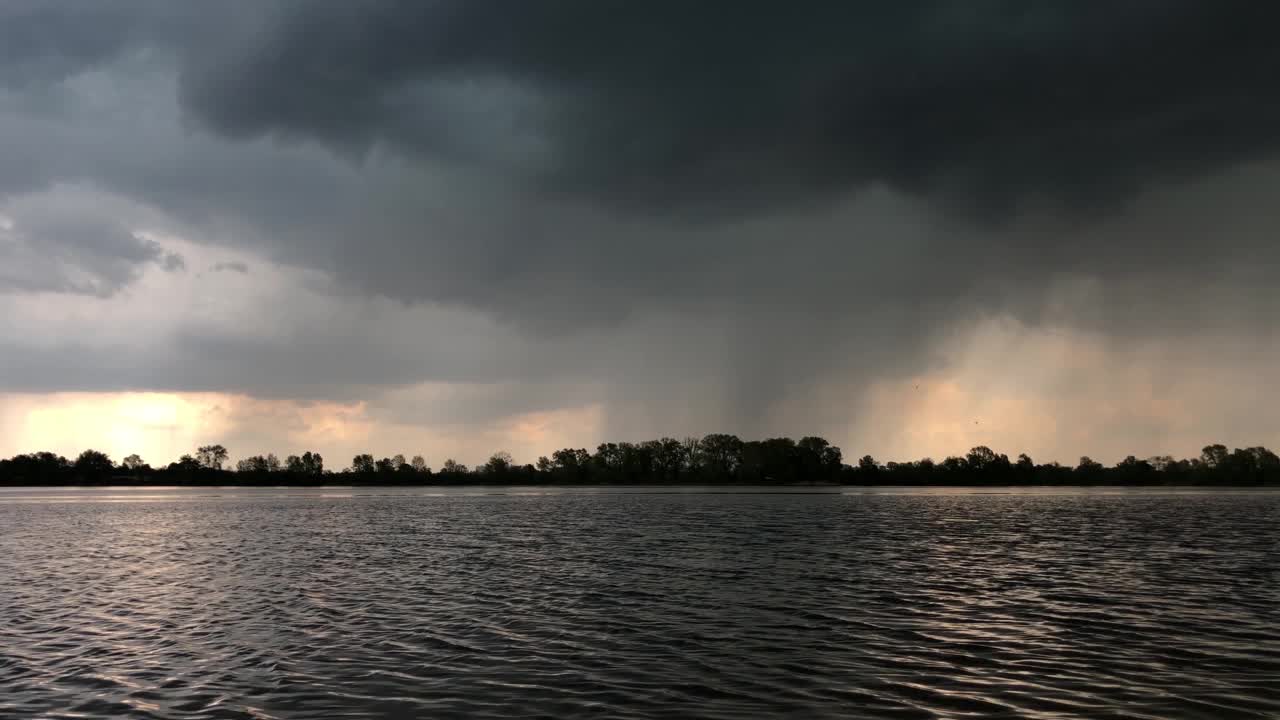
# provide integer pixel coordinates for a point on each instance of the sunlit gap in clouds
(155, 425)
(160, 427)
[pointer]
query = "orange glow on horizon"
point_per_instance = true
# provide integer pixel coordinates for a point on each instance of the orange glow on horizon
(160, 427)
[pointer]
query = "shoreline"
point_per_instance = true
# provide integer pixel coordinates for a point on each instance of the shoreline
(731, 489)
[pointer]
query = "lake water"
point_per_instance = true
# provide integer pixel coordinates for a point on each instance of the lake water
(332, 603)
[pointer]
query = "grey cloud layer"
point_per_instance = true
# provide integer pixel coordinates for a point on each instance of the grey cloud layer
(720, 203)
(65, 242)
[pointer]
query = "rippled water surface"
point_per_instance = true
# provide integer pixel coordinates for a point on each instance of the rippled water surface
(366, 604)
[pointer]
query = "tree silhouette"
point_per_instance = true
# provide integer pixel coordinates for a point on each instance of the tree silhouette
(499, 463)
(1089, 469)
(720, 456)
(211, 457)
(186, 465)
(309, 463)
(453, 467)
(362, 464)
(1213, 455)
(716, 458)
(92, 462)
(980, 458)
(254, 464)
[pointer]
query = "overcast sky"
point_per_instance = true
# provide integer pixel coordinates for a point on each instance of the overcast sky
(460, 226)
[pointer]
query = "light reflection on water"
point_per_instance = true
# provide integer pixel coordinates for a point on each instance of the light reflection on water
(638, 603)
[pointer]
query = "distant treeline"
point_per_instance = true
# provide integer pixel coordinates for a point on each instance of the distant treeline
(711, 460)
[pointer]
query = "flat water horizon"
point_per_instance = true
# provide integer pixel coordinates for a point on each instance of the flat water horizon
(96, 493)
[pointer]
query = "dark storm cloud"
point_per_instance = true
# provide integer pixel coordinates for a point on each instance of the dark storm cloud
(706, 208)
(717, 105)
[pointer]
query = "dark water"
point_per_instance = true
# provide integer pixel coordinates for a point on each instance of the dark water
(217, 603)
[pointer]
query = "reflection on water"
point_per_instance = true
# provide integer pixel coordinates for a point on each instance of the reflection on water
(372, 603)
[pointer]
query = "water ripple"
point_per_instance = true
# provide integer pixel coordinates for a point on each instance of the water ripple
(302, 605)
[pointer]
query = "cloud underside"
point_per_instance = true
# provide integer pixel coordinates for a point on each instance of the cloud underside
(643, 205)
